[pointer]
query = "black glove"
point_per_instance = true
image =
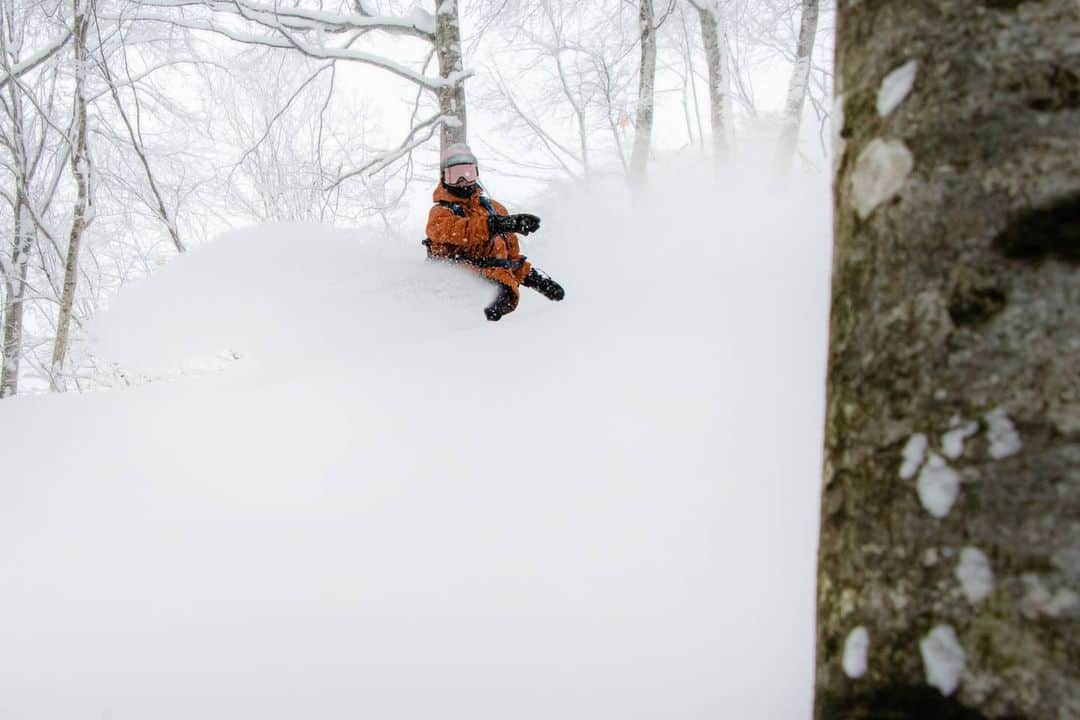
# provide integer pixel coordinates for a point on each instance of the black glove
(522, 223)
(544, 285)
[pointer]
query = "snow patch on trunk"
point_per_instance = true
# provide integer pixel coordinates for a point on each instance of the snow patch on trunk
(896, 86)
(952, 442)
(1002, 434)
(914, 453)
(974, 574)
(880, 172)
(938, 486)
(943, 658)
(1038, 600)
(856, 651)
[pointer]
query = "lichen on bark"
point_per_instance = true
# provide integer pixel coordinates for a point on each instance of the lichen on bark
(958, 296)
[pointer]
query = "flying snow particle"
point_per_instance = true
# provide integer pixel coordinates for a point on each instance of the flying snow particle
(880, 172)
(914, 453)
(1004, 439)
(943, 659)
(938, 485)
(952, 442)
(974, 573)
(856, 648)
(896, 86)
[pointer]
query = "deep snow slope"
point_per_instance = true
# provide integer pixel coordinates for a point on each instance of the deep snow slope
(389, 508)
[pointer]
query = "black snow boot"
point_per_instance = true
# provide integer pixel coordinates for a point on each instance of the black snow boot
(504, 303)
(544, 285)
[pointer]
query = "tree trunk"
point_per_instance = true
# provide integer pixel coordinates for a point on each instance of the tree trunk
(14, 297)
(22, 235)
(639, 158)
(949, 561)
(714, 38)
(796, 95)
(80, 171)
(448, 51)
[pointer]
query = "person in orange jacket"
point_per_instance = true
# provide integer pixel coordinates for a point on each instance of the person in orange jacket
(468, 227)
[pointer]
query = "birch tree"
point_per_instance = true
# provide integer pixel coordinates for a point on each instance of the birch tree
(949, 565)
(643, 123)
(797, 86)
(714, 37)
(54, 106)
(81, 174)
(30, 44)
(451, 92)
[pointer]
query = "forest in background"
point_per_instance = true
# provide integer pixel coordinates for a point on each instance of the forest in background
(132, 131)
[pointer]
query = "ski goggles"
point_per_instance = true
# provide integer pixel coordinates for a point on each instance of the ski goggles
(460, 174)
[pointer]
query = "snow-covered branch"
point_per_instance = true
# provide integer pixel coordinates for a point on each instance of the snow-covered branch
(34, 60)
(289, 29)
(419, 24)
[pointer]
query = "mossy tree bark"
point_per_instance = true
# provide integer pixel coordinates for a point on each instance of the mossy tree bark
(949, 565)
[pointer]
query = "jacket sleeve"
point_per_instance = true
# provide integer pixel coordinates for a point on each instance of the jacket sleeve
(513, 247)
(449, 229)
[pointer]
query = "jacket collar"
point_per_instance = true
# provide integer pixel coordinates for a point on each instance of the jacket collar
(441, 194)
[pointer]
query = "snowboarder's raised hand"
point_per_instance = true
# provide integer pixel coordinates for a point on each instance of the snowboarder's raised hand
(526, 223)
(522, 223)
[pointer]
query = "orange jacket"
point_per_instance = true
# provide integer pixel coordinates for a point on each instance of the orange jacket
(453, 235)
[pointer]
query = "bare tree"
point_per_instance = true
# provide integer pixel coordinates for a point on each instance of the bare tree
(29, 83)
(52, 114)
(714, 37)
(563, 84)
(612, 86)
(331, 36)
(646, 90)
(797, 86)
(134, 133)
(949, 562)
(81, 173)
(689, 91)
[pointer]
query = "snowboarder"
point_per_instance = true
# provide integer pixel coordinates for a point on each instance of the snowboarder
(466, 226)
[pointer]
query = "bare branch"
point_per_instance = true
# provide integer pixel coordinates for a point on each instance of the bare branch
(411, 142)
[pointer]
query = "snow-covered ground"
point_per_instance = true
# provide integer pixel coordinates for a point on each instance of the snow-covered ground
(389, 508)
